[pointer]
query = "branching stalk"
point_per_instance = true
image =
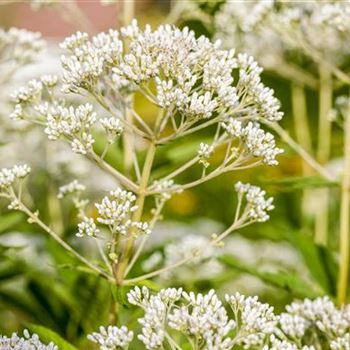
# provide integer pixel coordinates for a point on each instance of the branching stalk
(35, 219)
(130, 185)
(146, 171)
(302, 132)
(144, 240)
(157, 272)
(300, 150)
(344, 231)
(240, 223)
(323, 153)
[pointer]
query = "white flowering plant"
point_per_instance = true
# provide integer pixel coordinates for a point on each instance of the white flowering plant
(308, 56)
(189, 82)
(123, 101)
(191, 91)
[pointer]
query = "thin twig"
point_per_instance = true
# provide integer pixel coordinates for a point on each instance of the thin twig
(157, 272)
(130, 185)
(300, 150)
(35, 219)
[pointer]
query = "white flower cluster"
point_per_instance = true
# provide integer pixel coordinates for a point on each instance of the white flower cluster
(156, 309)
(89, 59)
(341, 343)
(323, 27)
(203, 317)
(290, 25)
(31, 93)
(192, 78)
(259, 97)
(201, 321)
(87, 227)
(165, 189)
(257, 320)
(20, 45)
(256, 141)
(176, 60)
(116, 211)
(112, 338)
(73, 123)
(320, 314)
(277, 344)
(27, 342)
(247, 16)
(204, 153)
(72, 187)
(113, 127)
(242, 26)
(8, 176)
(257, 206)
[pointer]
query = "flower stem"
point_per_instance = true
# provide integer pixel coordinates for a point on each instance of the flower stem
(323, 153)
(35, 219)
(130, 185)
(128, 11)
(128, 14)
(302, 133)
(300, 150)
(344, 219)
(146, 171)
(139, 250)
(158, 272)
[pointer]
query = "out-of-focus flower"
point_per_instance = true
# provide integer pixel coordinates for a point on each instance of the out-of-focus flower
(28, 341)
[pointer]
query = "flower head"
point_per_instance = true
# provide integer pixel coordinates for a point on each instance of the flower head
(112, 338)
(8, 176)
(257, 206)
(28, 341)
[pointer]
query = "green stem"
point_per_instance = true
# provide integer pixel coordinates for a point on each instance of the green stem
(299, 149)
(302, 130)
(344, 219)
(302, 133)
(35, 219)
(130, 185)
(128, 139)
(139, 250)
(158, 272)
(146, 171)
(128, 11)
(323, 153)
(128, 14)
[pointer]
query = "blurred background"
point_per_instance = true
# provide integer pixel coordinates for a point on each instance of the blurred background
(278, 260)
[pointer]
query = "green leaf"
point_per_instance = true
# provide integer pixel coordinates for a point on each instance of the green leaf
(11, 270)
(9, 220)
(300, 182)
(313, 257)
(47, 335)
(288, 281)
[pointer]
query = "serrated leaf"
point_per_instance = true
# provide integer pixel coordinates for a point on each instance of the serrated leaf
(47, 335)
